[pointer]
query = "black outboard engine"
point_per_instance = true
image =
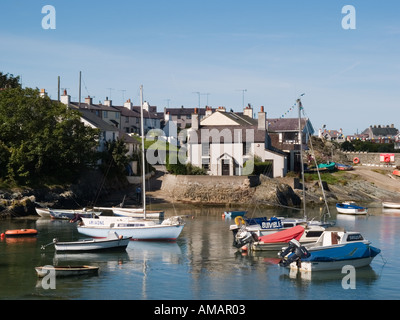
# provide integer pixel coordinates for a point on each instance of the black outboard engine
(294, 252)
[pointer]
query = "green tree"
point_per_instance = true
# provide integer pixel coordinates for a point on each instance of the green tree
(115, 159)
(42, 141)
(9, 81)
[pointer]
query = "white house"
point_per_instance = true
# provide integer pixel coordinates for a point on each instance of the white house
(225, 143)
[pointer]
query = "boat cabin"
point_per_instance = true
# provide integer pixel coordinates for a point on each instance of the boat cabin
(335, 236)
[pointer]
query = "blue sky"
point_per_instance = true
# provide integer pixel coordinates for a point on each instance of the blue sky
(276, 50)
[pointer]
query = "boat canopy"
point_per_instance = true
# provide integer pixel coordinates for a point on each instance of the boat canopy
(283, 236)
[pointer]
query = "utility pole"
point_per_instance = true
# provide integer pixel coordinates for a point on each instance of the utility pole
(80, 85)
(243, 91)
(58, 89)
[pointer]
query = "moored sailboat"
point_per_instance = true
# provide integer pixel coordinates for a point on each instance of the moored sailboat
(137, 229)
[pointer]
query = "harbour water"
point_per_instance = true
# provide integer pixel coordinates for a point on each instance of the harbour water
(200, 265)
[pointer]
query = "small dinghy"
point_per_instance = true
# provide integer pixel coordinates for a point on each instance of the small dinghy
(112, 242)
(66, 271)
(21, 233)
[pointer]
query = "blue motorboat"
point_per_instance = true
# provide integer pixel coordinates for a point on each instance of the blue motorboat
(334, 249)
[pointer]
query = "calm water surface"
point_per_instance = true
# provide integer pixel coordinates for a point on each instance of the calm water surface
(200, 265)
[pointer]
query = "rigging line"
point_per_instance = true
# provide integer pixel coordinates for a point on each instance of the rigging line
(103, 181)
(316, 165)
(84, 83)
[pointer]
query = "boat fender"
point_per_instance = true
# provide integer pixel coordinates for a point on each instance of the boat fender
(239, 221)
(356, 160)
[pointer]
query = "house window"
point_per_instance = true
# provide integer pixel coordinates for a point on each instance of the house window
(205, 149)
(105, 114)
(205, 163)
(246, 148)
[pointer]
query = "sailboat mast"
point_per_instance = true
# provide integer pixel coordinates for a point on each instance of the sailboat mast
(143, 166)
(301, 158)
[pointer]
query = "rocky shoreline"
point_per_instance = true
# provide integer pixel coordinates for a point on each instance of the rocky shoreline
(362, 185)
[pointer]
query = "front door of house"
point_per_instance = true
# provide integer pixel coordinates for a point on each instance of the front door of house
(225, 167)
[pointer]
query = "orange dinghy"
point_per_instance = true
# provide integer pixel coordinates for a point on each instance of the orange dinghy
(21, 233)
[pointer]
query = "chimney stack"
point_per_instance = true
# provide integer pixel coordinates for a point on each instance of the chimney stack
(43, 93)
(107, 102)
(221, 109)
(262, 120)
(128, 104)
(65, 98)
(195, 120)
(248, 111)
(88, 100)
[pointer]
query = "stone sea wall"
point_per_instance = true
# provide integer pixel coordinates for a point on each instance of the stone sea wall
(371, 158)
(228, 190)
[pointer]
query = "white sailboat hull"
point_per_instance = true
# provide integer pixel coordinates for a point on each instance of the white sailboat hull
(155, 232)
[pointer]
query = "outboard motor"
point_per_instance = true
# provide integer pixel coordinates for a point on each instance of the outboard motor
(294, 252)
(243, 237)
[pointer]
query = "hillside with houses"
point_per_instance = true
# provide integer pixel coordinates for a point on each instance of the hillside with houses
(224, 145)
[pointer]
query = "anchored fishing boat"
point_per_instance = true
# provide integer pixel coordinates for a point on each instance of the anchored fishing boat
(335, 249)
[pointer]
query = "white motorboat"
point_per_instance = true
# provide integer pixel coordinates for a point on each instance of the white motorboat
(335, 249)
